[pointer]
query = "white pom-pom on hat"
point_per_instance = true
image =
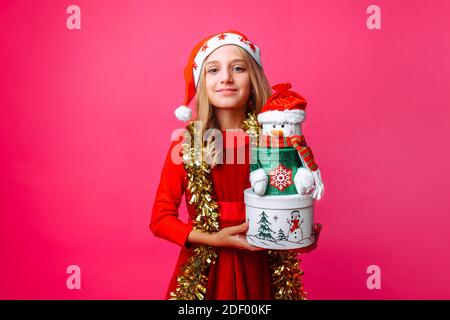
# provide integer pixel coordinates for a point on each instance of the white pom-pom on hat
(183, 113)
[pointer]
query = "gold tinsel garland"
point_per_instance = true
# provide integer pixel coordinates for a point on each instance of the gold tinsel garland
(193, 280)
(286, 275)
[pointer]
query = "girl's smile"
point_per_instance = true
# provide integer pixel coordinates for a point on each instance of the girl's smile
(227, 91)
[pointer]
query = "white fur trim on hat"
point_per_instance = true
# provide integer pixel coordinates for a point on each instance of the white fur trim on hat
(183, 113)
(286, 116)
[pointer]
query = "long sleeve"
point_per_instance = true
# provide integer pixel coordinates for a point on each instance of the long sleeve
(164, 221)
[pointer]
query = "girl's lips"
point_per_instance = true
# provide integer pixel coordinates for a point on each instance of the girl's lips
(227, 92)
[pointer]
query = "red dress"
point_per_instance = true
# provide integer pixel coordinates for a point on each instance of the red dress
(237, 274)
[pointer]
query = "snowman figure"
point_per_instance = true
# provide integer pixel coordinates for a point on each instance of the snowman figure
(295, 233)
(281, 119)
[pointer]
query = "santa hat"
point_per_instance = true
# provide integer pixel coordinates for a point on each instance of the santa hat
(199, 54)
(284, 106)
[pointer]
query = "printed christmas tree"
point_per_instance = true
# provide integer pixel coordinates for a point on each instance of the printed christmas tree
(281, 236)
(264, 231)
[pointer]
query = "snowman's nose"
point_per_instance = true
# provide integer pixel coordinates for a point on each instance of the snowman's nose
(277, 133)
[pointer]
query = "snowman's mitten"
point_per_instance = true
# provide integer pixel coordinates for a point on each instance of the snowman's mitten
(303, 180)
(320, 189)
(258, 181)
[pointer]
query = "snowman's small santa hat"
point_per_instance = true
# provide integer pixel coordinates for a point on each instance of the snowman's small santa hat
(199, 54)
(284, 106)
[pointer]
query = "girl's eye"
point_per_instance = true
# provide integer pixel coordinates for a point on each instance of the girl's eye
(212, 70)
(238, 69)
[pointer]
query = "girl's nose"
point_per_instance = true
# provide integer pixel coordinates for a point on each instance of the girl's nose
(226, 76)
(277, 133)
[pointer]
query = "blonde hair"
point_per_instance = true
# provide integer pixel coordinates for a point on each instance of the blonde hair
(260, 92)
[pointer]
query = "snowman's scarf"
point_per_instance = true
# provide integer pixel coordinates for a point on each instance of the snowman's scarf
(297, 142)
(286, 282)
(295, 225)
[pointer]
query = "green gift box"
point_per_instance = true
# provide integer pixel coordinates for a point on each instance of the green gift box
(280, 165)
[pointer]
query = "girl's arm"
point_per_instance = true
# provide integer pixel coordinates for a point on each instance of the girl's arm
(227, 237)
(164, 221)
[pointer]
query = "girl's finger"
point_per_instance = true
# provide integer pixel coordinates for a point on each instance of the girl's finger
(243, 244)
(237, 229)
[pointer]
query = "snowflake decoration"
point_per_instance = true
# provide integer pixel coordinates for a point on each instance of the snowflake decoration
(275, 218)
(280, 177)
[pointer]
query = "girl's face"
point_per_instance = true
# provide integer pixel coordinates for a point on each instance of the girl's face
(227, 79)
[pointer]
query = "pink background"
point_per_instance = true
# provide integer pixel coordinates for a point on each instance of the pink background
(86, 117)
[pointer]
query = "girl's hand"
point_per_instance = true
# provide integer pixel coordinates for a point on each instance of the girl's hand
(232, 237)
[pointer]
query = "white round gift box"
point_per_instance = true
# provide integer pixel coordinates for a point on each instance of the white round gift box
(279, 222)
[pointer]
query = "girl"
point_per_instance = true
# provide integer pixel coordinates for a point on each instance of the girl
(225, 75)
